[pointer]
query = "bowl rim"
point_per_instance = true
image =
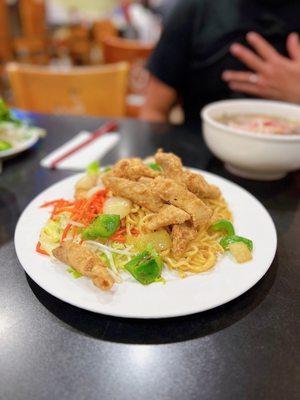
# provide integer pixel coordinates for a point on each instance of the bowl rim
(240, 132)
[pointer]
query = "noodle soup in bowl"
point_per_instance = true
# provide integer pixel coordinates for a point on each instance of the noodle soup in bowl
(256, 139)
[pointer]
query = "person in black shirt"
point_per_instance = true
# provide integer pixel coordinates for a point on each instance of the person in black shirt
(194, 50)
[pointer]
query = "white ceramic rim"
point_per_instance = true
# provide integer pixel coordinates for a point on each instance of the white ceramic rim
(254, 135)
(22, 147)
(191, 310)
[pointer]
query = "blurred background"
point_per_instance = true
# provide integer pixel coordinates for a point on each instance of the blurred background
(88, 43)
(159, 60)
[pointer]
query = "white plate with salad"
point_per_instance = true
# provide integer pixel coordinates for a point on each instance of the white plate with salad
(171, 292)
(16, 135)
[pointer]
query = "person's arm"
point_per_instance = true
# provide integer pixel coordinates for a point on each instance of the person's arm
(158, 101)
(273, 76)
(169, 62)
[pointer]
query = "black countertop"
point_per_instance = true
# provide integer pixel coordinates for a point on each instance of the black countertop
(246, 349)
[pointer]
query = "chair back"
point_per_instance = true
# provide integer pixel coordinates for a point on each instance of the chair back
(31, 50)
(33, 17)
(73, 90)
(5, 38)
(133, 52)
(102, 29)
(117, 49)
(136, 54)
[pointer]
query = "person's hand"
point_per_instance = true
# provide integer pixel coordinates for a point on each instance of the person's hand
(274, 76)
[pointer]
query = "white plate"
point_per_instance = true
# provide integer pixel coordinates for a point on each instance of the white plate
(226, 281)
(24, 145)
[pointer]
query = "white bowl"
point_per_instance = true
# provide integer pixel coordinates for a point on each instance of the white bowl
(252, 155)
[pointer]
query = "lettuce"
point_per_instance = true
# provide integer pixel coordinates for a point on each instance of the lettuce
(6, 114)
(51, 233)
(74, 273)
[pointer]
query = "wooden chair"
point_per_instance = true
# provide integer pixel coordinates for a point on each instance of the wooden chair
(74, 90)
(136, 54)
(4, 20)
(31, 50)
(117, 49)
(80, 52)
(32, 46)
(80, 45)
(33, 18)
(5, 44)
(102, 29)
(73, 42)
(5, 34)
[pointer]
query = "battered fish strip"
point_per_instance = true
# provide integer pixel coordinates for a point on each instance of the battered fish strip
(168, 215)
(198, 185)
(137, 192)
(170, 164)
(182, 235)
(172, 168)
(178, 195)
(86, 262)
(133, 169)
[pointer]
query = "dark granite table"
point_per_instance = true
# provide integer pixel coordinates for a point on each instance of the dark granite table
(247, 349)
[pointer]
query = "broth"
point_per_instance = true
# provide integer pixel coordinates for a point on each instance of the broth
(261, 123)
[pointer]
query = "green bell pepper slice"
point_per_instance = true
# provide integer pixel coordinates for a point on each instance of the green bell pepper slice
(103, 226)
(227, 240)
(224, 225)
(146, 267)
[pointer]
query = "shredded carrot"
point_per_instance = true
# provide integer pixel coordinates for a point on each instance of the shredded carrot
(118, 239)
(82, 211)
(75, 230)
(65, 232)
(52, 203)
(119, 235)
(135, 232)
(40, 250)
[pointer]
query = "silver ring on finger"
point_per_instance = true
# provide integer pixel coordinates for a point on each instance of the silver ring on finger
(253, 78)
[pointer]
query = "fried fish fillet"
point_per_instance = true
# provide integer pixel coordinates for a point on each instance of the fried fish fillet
(86, 262)
(198, 185)
(182, 235)
(137, 192)
(167, 215)
(133, 169)
(170, 164)
(172, 168)
(179, 196)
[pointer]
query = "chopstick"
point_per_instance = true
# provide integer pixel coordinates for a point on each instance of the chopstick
(106, 128)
